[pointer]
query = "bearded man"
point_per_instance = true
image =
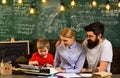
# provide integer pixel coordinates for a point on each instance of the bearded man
(99, 51)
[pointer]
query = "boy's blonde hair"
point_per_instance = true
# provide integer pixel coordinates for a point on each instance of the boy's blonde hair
(68, 33)
(42, 43)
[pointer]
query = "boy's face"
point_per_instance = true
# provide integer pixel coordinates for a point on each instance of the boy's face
(43, 52)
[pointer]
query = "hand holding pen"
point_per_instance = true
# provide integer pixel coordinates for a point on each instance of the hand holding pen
(47, 65)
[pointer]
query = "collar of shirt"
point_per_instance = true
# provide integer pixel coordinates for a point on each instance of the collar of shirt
(73, 45)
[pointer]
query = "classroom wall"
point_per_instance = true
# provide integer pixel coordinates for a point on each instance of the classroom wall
(15, 20)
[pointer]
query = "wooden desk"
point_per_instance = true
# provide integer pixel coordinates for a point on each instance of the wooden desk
(116, 76)
(18, 76)
(33, 76)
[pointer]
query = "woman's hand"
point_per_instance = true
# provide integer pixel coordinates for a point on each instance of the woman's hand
(60, 70)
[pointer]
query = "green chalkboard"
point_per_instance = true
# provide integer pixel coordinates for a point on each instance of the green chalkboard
(10, 51)
(15, 20)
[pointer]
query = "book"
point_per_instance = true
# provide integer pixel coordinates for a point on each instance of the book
(43, 71)
(101, 75)
(25, 66)
(36, 70)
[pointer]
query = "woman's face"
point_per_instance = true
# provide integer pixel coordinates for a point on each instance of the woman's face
(66, 41)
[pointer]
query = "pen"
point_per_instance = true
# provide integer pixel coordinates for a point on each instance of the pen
(44, 65)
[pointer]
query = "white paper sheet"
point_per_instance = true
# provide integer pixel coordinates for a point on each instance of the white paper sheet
(67, 75)
(86, 74)
(53, 70)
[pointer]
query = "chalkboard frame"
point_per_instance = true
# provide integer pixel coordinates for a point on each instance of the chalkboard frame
(24, 41)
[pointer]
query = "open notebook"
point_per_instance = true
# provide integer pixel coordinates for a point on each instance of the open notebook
(36, 70)
(25, 66)
(52, 71)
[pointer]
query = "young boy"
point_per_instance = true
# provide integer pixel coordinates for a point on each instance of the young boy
(42, 57)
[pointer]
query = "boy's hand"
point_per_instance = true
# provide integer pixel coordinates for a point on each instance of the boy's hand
(34, 63)
(49, 65)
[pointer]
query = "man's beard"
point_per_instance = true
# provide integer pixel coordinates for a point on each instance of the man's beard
(92, 44)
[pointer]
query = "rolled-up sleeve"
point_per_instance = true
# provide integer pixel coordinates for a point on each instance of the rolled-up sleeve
(57, 59)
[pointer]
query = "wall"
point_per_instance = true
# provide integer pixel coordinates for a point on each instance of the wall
(15, 21)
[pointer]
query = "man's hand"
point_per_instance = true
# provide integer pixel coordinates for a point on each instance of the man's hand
(86, 70)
